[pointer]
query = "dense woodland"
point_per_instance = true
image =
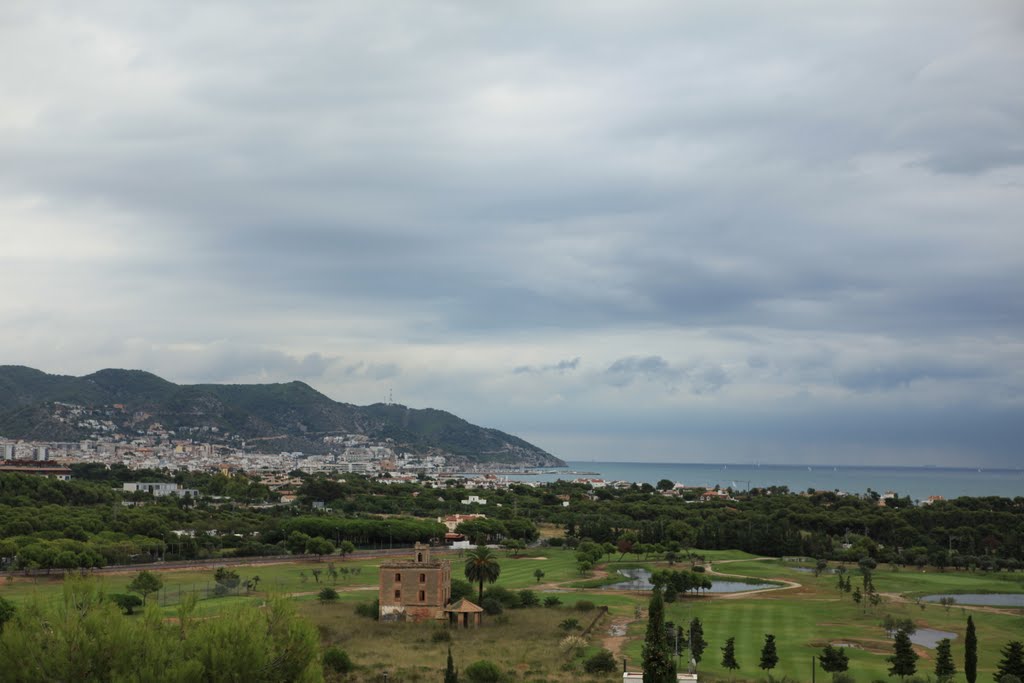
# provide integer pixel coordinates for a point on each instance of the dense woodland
(88, 522)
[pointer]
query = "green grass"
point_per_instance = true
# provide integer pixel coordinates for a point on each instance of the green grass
(278, 578)
(526, 641)
(516, 573)
(803, 620)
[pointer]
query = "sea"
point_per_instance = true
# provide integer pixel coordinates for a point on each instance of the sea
(917, 482)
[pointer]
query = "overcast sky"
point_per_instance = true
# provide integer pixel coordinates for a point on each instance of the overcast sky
(692, 231)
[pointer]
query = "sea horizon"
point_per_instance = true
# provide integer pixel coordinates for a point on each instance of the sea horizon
(918, 482)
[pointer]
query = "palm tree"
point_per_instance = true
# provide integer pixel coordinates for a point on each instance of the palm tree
(482, 565)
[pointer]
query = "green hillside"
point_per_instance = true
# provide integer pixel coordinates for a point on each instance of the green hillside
(290, 416)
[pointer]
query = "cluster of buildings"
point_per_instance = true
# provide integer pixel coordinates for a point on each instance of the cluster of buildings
(349, 454)
(352, 453)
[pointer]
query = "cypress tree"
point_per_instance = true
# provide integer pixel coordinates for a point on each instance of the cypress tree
(834, 660)
(450, 674)
(659, 666)
(903, 660)
(944, 668)
(769, 655)
(697, 642)
(971, 652)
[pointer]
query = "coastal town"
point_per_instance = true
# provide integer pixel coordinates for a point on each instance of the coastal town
(159, 449)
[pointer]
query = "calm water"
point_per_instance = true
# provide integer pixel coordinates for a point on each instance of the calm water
(990, 599)
(916, 482)
(929, 637)
(639, 580)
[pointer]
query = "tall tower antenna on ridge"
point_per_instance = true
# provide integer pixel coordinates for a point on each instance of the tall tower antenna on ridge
(391, 398)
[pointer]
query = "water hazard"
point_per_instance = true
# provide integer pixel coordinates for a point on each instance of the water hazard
(639, 580)
(929, 637)
(988, 599)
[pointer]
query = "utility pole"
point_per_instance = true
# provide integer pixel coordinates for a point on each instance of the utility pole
(813, 668)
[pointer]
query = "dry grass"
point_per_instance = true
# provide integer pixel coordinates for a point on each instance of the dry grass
(525, 643)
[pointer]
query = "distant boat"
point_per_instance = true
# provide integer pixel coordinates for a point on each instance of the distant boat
(808, 469)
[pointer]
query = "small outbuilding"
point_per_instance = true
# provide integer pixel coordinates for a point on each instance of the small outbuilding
(464, 613)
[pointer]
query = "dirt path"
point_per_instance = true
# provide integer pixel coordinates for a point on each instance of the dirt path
(616, 635)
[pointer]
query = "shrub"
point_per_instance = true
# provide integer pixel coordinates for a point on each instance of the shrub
(492, 606)
(574, 643)
(507, 598)
(483, 671)
(370, 610)
(337, 660)
(126, 601)
(327, 594)
(602, 662)
(441, 635)
(556, 542)
(461, 589)
(843, 677)
(569, 624)
(527, 598)
(584, 605)
(552, 601)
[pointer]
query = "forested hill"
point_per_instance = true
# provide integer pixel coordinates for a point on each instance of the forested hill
(291, 416)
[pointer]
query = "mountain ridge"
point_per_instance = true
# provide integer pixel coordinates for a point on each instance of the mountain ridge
(293, 413)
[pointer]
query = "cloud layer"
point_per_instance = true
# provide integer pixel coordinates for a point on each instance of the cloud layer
(647, 230)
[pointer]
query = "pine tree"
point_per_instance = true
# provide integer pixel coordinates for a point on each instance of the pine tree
(971, 652)
(904, 660)
(450, 674)
(834, 660)
(769, 655)
(729, 655)
(1012, 663)
(659, 666)
(697, 642)
(944, 668)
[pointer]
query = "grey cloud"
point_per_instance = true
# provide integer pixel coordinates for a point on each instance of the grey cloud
(376, 371)
(561, 367)
(228, 362)
(625, 371)
(701, 378)
(893, 374)
(708, 380)
(337, 177)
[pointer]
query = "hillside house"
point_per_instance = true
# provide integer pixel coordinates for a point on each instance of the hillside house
(415, 590)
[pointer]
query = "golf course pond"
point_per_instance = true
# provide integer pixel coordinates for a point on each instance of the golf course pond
(930, 637)
(640, 580)
(986, 599)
